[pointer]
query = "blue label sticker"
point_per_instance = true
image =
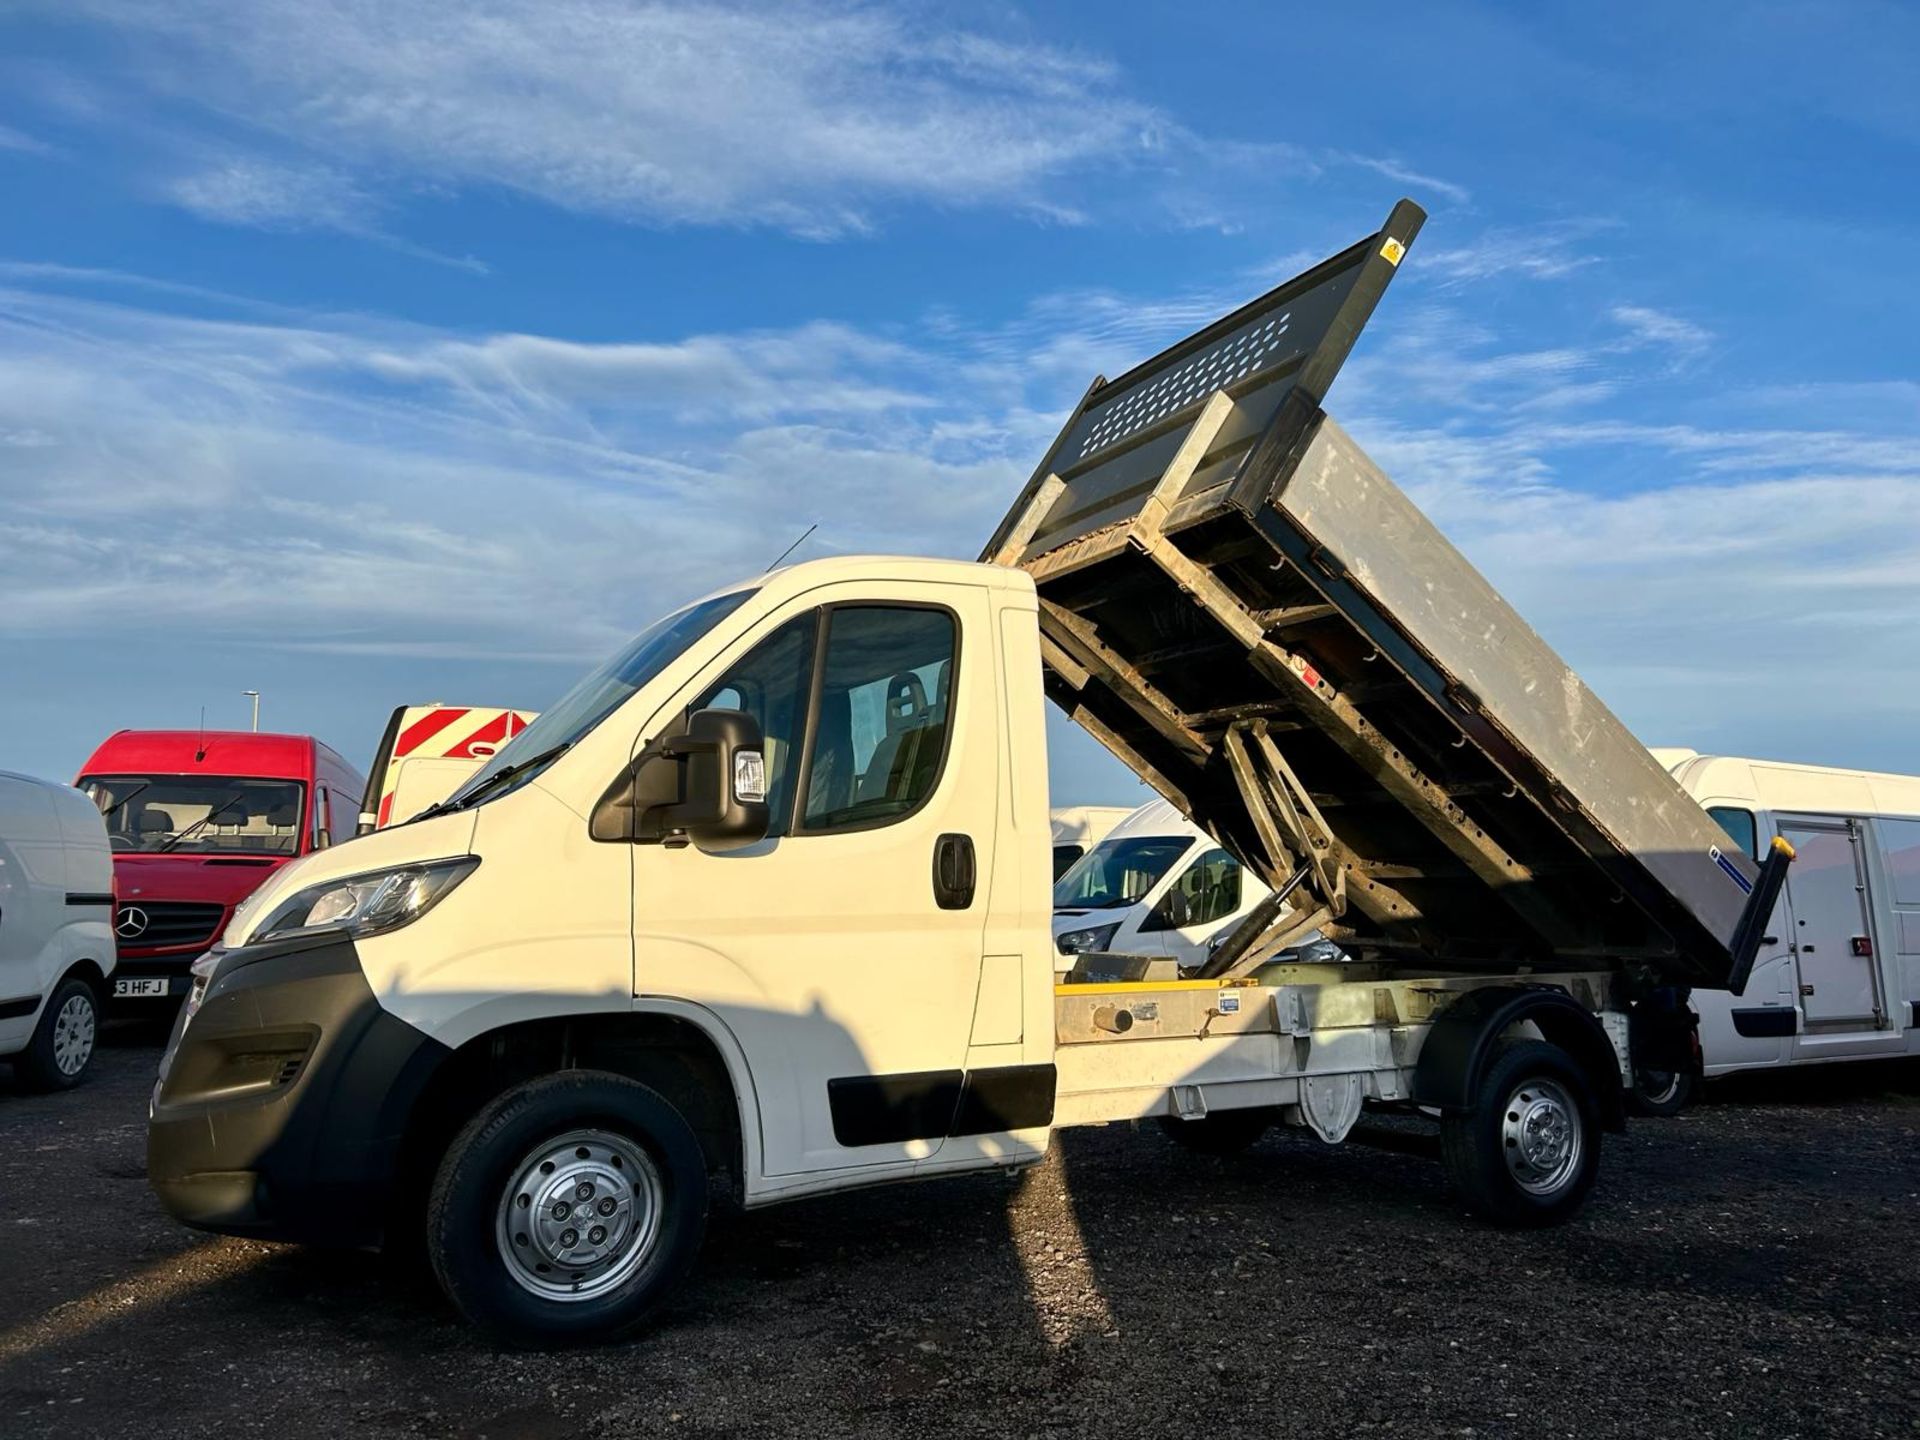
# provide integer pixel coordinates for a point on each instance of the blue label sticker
(1733, 871)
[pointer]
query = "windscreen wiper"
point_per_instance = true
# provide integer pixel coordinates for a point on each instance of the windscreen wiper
(496, 780)
(206, 819)
(114, 809)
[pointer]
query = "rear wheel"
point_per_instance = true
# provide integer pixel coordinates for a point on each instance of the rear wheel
(1224, 1132)
(61, 1051)
(1528, 1151)
(568, 1209)
(1660, 1092)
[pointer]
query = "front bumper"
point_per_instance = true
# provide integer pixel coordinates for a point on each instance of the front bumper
(283, 1099)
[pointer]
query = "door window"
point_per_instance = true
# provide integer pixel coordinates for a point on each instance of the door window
(771, 682)
(880, 732)
(1207, 892)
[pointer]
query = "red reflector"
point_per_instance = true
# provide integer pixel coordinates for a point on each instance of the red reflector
(1863, 946)
(1310, 675)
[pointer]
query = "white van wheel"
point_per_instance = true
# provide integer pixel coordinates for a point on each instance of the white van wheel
(568, 1208)
(580, 1214)
(62, 1046)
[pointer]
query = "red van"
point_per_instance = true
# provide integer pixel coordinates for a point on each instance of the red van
(196, 821)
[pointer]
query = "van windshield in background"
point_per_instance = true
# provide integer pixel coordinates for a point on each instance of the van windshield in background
(199, 814)
(1118, 872)
(605, 690)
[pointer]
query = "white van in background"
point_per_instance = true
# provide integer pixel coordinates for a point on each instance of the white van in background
(56, 929)
(1838, 972)
(1157, 885)
(1078, 828)
(427, 752)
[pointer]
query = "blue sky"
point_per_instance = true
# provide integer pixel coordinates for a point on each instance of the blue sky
(372, 354)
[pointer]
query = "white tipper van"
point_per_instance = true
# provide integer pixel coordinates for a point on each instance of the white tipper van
(765, 900)
(1078, 828)
(1837, 976)
(1157, 885)
(56, 929)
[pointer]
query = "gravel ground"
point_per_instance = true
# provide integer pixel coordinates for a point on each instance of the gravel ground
(1746, 1269)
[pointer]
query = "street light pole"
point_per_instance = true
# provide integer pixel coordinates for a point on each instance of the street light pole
(256, 708)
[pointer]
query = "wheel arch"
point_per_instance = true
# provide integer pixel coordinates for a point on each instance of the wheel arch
(678, 1049)
(1461, 1044)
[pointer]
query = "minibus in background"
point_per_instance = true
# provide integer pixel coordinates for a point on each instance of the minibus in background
(1078, 828)
(1157, 885)
(56, 930)
(1837, 976)
(197, 819)
(427, 751)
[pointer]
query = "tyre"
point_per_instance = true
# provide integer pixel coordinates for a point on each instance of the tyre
(1660, 1092)
(1528, 1151)
(61, 1051)
(567, 1209)
(1225, 1132)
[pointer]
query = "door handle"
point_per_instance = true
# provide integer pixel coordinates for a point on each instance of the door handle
(953, 872)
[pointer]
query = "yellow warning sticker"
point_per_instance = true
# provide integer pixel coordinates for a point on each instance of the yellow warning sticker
(1391, 250)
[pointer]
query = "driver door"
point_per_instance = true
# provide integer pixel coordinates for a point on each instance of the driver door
(826, 949)
(1198, 906)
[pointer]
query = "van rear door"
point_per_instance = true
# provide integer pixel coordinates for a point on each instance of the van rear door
(1833, 943)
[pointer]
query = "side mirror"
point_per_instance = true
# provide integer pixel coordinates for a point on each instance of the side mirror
(703, 781)
(1171, 913)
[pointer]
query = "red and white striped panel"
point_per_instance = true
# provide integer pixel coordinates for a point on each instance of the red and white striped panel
(454, 732)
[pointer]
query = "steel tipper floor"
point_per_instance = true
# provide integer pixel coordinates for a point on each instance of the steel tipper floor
(1741, 1275)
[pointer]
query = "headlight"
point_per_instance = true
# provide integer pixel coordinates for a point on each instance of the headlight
(369, 904)
(1081, 942)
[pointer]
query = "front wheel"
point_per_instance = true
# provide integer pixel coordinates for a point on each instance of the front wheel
(1660, 1092)
(568, 1209)
(62, 1046)
(1528, 1151)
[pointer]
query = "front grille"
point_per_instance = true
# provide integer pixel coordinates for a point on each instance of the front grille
(169, 922)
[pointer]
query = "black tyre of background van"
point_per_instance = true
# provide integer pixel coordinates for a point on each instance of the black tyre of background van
(1222, 1132)
(61, 1051)
(1499, 1154)
(1660, 1093)
(543, 1170)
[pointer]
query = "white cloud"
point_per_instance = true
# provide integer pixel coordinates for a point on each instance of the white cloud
(1538, 252)
(1649, 326)
(360, 487)
(1404, 174)
(252, 192)
(806, 117)
(22, 143)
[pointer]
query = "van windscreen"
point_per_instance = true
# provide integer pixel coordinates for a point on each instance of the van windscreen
(199, 814)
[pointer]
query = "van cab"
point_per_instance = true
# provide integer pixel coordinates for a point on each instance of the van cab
(1157, 885)
(56, 935)
(197, 820)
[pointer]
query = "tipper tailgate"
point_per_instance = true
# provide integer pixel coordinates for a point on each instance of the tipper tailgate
(1247, 611)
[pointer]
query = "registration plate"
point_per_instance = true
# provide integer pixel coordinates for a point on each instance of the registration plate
(141, 988)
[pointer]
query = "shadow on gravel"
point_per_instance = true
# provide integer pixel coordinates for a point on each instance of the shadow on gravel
(1845, 1083)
